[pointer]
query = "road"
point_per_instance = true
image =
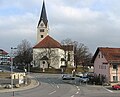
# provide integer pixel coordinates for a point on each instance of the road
(51, 85)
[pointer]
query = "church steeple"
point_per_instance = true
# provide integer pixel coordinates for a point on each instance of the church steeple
(42, 28)
(43, 16)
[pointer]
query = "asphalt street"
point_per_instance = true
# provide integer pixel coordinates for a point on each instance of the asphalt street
(51, 85)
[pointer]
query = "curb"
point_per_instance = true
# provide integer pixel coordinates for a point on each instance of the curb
(34, 83)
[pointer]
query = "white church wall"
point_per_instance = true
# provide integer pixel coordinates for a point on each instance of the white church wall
(55, 59)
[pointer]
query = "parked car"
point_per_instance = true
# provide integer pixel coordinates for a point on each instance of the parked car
(1, 70)
(83, 79)
(67, 77)
(79, 74)
(117, 86)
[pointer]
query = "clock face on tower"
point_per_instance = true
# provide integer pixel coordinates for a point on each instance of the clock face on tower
(41, 24)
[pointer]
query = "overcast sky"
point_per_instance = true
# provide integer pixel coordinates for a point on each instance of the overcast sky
(94, 23)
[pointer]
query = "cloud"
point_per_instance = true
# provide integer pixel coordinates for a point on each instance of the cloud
(92, 22)
(92, 27)
(16, 28)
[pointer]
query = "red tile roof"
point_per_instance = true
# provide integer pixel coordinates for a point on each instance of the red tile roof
(3, 52)
(110, 54)
(48, 42)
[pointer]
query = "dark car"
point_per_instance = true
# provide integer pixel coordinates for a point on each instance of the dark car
(67, 77)
(117, 86)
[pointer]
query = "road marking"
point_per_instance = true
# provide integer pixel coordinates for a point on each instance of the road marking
(52, 92)
(52, 85)
(108, 90)
(58, 87)
(76, 92)
(78, 88)
(72, 96)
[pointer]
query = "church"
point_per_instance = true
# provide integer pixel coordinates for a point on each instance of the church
(48, 52)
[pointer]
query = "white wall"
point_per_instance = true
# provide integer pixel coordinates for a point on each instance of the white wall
(45, 33)
(55, 60)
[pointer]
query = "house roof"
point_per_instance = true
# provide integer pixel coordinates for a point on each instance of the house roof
(48, 42)
(110, 54)
(3, 52)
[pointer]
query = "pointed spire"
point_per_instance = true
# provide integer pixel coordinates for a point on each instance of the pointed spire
(43, 15)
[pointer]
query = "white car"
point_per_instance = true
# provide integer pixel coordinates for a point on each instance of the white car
(79, 74)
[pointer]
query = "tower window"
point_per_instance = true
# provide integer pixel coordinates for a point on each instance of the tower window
(41, 36)
(41, 30)
(68, 56)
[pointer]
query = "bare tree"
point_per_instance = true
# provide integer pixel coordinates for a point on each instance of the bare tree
(24, 53)
(68, 46)
(67, 42)
(82, 56)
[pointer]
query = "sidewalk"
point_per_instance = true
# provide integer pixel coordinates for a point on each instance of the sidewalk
(34, 83)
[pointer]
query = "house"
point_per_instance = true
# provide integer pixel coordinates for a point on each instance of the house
(48, 52)
(107, 63)
(4, 57)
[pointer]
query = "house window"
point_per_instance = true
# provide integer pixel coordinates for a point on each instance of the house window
(115, 78)
(105, 67)
(99, 56)
(115, 66)
(41, 30)
(102, 56)
(101, 67)
(41, 36)
(14, 77)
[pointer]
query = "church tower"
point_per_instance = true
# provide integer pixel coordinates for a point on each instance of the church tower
(42, 28)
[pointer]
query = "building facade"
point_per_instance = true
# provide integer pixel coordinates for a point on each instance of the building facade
(107, 63)
(4, 57)
(48, 52)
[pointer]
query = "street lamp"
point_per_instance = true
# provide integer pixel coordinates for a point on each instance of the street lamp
(12, 56)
